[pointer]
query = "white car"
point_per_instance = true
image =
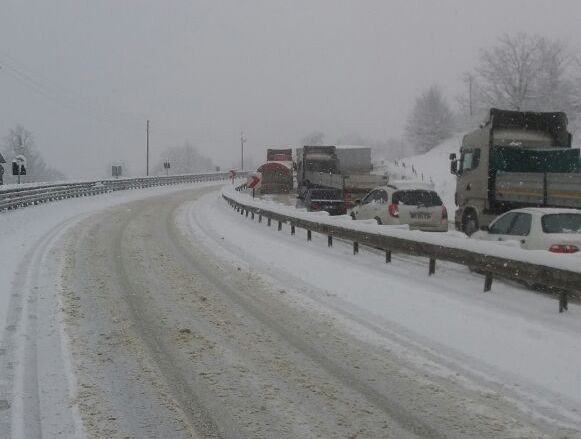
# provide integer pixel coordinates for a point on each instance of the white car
(537, 228)
(415, 204)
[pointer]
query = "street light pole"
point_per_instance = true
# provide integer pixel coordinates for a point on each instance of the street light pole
(147, 150)
(242, 141)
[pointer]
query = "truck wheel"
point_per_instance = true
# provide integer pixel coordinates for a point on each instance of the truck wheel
(470, 224)
(378, 220)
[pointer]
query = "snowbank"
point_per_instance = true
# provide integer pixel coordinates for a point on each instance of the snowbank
(450, 239)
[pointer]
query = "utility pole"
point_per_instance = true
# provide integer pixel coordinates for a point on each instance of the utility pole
(242, 141)
(147, 150)
(470, 80)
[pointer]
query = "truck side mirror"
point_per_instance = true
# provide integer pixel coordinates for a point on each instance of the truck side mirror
(454, 167)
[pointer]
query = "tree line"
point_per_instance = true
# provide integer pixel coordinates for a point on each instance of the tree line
(520, 72)
(20, 141)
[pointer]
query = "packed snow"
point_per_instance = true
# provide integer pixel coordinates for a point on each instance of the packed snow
(509, 341)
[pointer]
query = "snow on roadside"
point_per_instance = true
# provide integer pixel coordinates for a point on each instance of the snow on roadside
(450, 239)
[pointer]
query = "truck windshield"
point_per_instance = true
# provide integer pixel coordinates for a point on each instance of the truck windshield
(470, 159)
(327, 166)
(561, 223)
(326, 194)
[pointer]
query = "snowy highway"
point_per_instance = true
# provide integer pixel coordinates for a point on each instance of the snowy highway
(164, 314)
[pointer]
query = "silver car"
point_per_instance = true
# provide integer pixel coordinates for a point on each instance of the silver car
(417, 205)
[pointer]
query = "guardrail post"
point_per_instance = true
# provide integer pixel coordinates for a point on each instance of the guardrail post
(330, 241)
(563, 306)
(268, 222)
(355, 247)
(292, 229)
(487, 282)
(259, 217)
(246, 213)
(252, 215)
(242, 211)
(279, 226)
(387, 256)
(432, 267)
(309, 235)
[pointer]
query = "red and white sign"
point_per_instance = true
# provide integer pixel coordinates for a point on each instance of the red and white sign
(253, 181)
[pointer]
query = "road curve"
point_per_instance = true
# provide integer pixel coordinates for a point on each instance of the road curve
(169, 340)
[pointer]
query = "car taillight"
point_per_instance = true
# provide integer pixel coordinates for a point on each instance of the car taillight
(393, 210)
(315, 206)
(348, 199)
(563, 248)
(444, 213)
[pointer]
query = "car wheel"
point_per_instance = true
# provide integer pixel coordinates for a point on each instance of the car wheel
(378, 220)
(470, 224)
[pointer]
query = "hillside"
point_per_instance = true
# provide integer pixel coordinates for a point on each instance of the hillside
(432, 167)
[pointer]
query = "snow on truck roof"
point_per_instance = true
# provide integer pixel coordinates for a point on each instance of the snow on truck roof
(274, 165)
(411, 184)
(352, 147)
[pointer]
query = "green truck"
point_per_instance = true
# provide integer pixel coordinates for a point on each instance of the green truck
(515, 159)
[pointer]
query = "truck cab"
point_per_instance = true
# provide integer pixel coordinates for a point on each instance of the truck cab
(505, 162)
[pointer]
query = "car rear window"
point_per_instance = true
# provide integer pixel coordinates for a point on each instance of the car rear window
(417, 197)
(325, 194)
(561, 223)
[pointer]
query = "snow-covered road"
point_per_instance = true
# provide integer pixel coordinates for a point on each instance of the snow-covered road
(173, 316)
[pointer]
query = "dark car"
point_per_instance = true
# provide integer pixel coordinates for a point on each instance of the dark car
(322, 199)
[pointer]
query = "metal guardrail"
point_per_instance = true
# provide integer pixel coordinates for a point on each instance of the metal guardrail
(564, 283)
(18, 197)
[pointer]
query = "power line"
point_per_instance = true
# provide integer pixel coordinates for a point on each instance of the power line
(71, 100)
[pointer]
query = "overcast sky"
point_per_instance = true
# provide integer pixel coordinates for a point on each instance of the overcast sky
(84, 76)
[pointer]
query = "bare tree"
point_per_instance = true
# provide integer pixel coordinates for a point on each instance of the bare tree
(528, 73)
(430, 122)
(20, 141)
(184, 159)
(313, 138)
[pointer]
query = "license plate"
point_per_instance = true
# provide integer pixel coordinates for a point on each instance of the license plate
(421, 215)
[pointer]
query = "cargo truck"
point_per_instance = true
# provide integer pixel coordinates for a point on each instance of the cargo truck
(279, 155)
(515, 159)
(344, 168)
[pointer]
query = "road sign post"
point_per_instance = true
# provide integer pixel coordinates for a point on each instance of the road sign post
(19, 166)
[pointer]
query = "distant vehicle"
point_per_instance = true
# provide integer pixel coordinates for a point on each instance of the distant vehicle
(516, 159)
(279, 155)
(323, 199)
(344, 168)
(417, 205)
(313, 161)
(555, 230)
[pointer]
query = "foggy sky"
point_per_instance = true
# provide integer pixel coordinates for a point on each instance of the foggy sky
(89, 73)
